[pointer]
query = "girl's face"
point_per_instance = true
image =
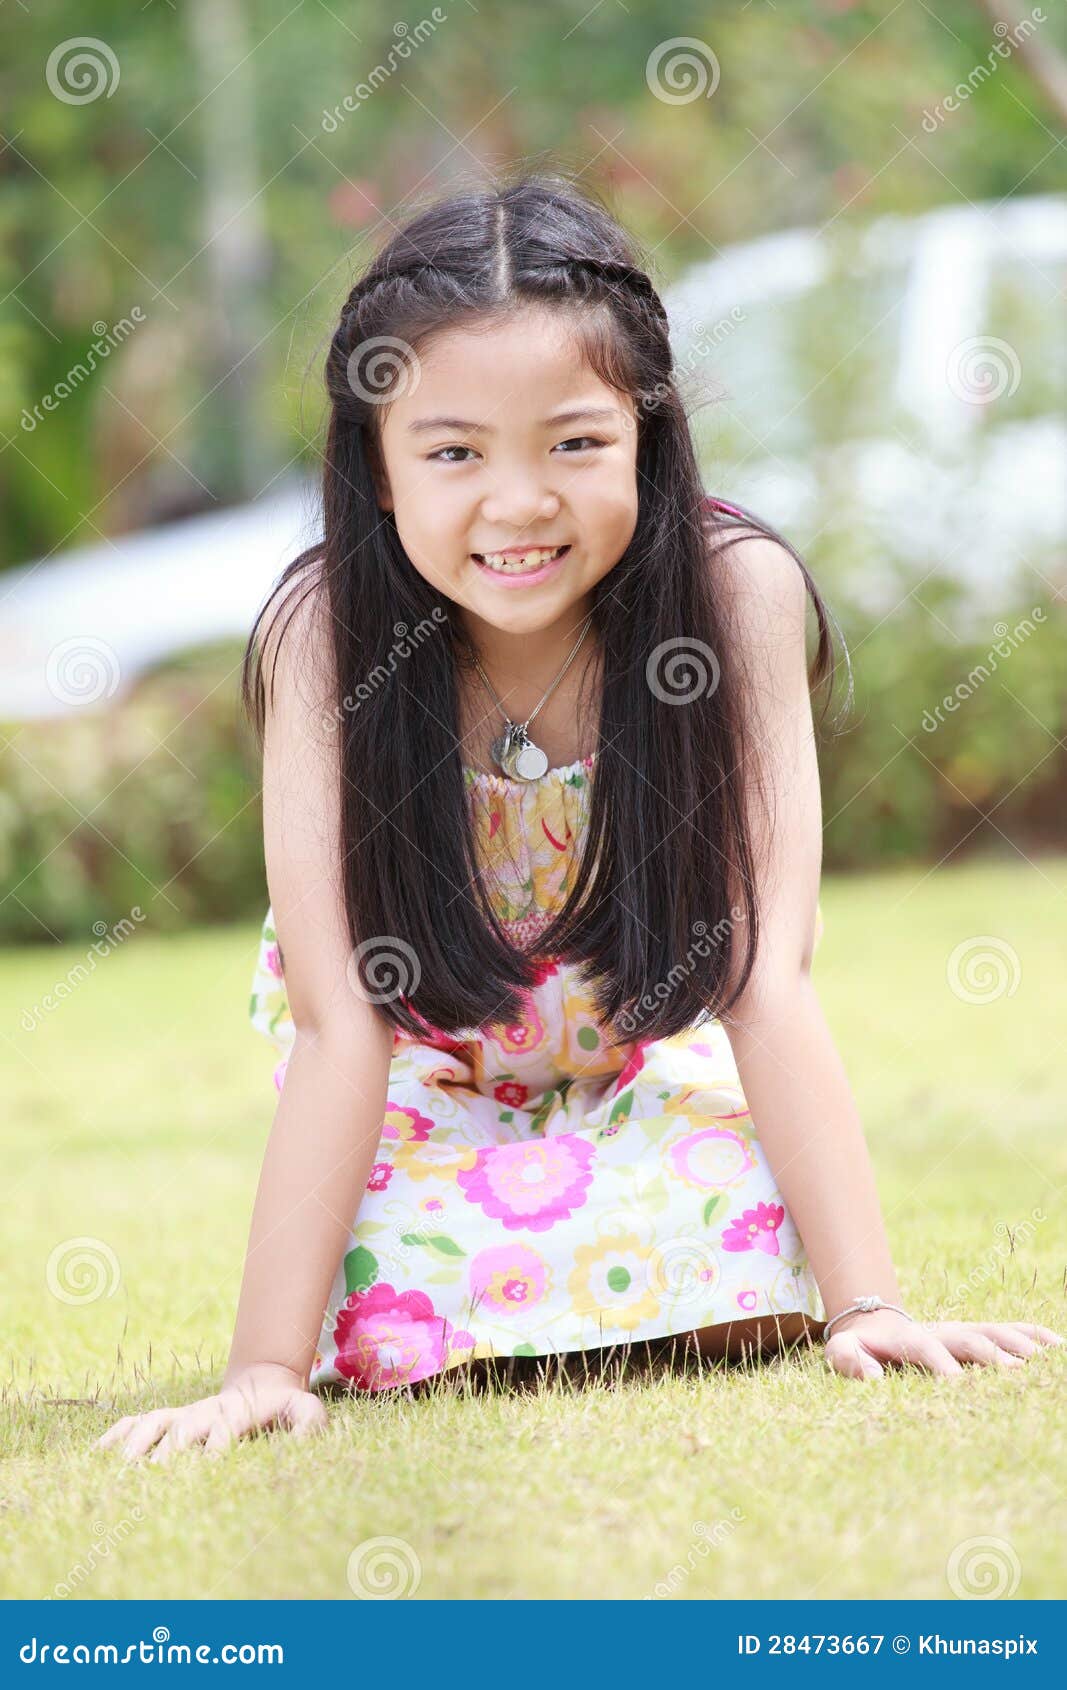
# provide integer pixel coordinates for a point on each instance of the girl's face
(507, 441)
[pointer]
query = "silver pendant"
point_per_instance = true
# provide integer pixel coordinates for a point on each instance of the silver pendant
(524, 760)
(529, 761)
(497, 750)
(501, 748)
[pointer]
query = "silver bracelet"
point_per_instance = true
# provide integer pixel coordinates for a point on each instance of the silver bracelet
(863, 1305)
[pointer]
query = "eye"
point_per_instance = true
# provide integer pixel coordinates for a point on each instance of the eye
(581, 441)
(440, 455)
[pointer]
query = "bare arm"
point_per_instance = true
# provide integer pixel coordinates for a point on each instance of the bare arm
(318, 1159)
(329, 1116)
(794, 1081)
(793, 1078)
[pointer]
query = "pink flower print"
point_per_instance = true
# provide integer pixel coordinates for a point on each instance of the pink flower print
(406, 1124)
(508, 1278)
(633, 1066)
(711, 1157)
(547, 967)
(517, 1036)
(746, 1300)
(380, 1175)
(755, 1229)
(511, 1094)
(279, 1073)
(433, 1205)
(435, 1037)
(387, 1337)
(532, 1184)
(272, 958)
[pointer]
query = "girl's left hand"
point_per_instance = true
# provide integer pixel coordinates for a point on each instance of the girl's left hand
(859, 1345)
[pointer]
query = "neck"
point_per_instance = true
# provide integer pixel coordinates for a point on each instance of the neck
(529, 662)
(520, 670)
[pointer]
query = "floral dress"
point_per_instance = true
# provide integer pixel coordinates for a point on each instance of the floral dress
(536, 1188)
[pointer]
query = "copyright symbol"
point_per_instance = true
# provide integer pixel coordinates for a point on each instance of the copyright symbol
(901, 1645)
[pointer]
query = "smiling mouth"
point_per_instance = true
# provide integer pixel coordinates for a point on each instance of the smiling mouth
(519, 563)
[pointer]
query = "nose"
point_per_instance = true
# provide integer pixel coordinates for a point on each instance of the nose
(518, 500)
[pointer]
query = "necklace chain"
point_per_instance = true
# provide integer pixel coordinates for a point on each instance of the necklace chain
(514, 751)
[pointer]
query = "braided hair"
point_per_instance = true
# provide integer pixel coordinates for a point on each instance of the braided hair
(515, 262)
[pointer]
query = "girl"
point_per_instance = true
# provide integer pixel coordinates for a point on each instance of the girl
(542, 832)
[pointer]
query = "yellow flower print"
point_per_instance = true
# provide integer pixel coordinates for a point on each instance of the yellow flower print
(612, 1281)
(717, 1101)
(433, 1161)
(514, 1037)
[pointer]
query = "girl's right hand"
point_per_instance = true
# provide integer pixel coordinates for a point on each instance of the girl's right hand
(262, 1396)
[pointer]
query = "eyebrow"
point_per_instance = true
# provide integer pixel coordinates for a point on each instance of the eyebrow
(587, 413)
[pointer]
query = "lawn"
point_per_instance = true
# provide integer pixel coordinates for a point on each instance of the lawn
(136, 1115)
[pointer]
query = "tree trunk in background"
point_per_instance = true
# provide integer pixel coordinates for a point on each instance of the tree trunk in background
(1045, 65)
(234, 263)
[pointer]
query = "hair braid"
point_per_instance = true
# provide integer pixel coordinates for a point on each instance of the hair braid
(611, 275)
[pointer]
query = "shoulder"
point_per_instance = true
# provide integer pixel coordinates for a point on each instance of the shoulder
(296, 603)
(293, 633)
(759, 579)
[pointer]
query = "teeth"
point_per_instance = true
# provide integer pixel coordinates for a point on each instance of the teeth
(515, 565)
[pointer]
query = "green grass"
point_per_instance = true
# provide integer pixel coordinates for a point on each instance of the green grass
(136, 1114)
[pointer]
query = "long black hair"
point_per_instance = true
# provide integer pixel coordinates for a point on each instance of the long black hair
(665, 884)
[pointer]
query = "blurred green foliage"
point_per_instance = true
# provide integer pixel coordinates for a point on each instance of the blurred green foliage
(951, 745)
(152, 802)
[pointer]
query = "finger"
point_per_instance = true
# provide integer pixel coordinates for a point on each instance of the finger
(846, 1355)
(924, 1349)
(234, 1420)
(1008, 1338)
(221, 1435)
(1043, 1334)
(187, 1429)
(149, 1428)
(304, 1415)
(165, 1447)
(115, 1433)
(973, 1347)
